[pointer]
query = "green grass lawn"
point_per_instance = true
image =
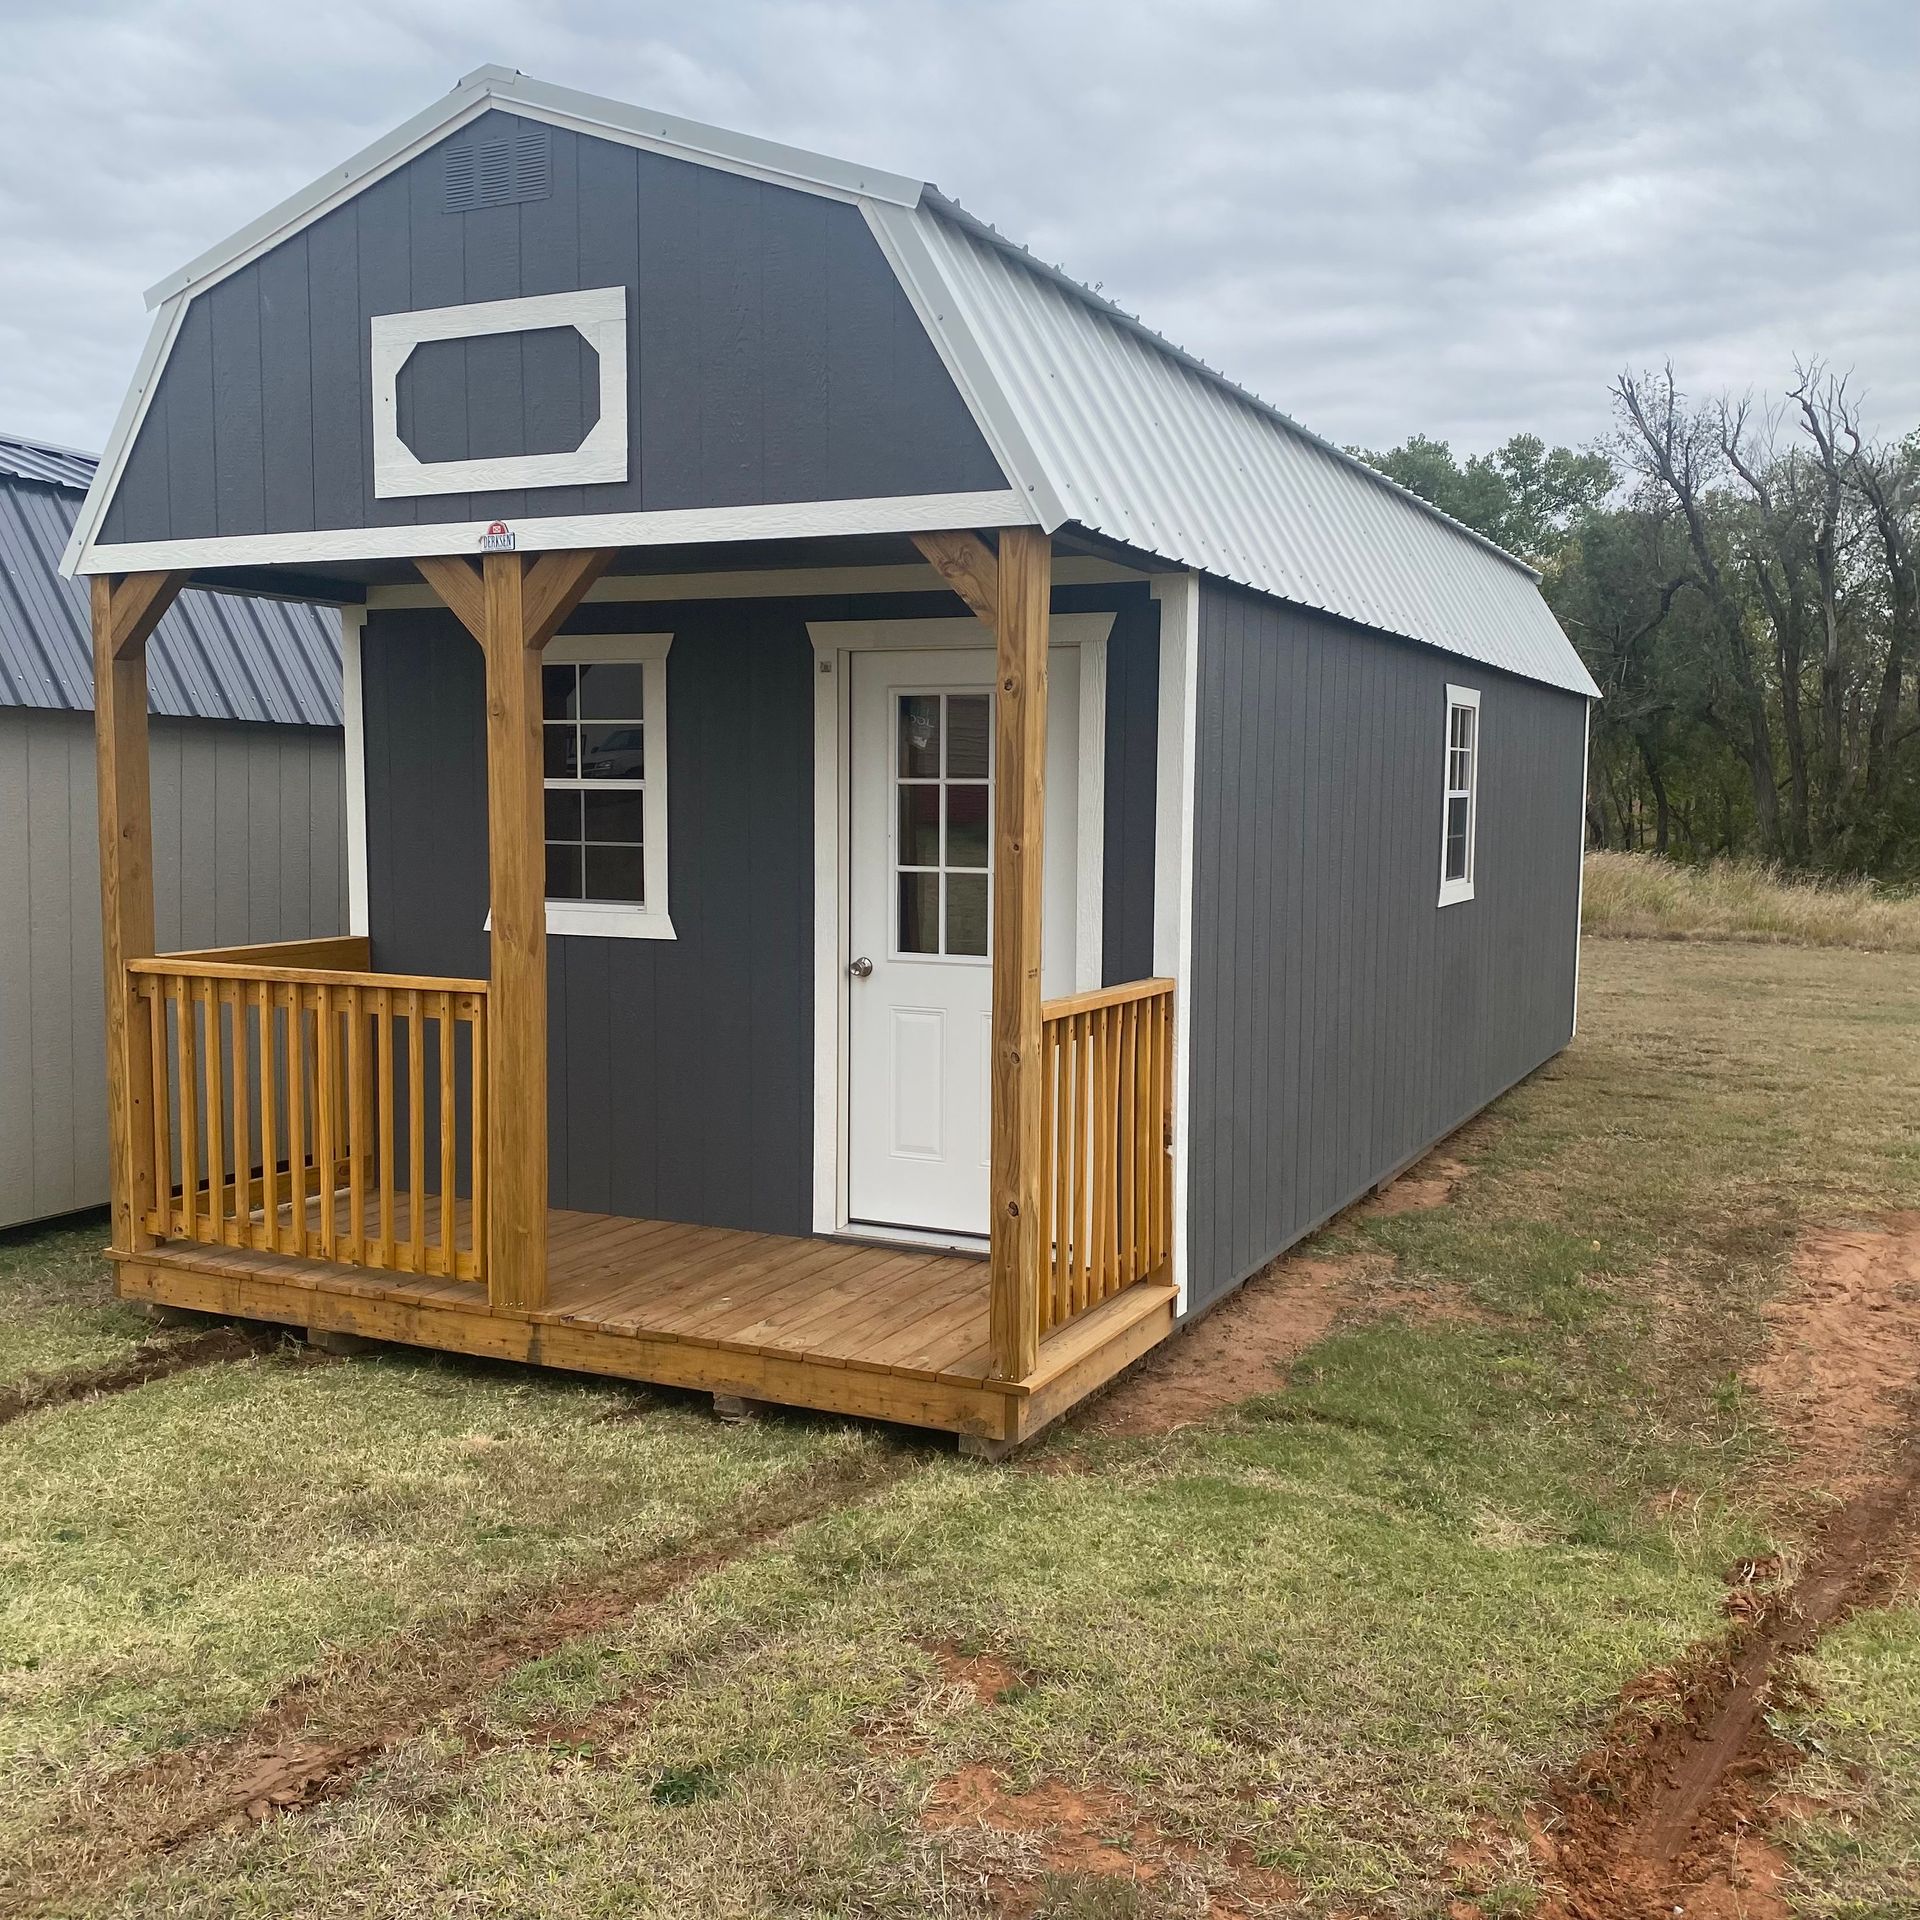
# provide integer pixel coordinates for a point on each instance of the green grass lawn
(57, 1309)
(1295, 1655)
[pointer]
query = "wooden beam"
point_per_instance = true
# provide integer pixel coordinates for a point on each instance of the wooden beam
(125, 611)
(556, 584)
(457, 581)
(966, 563)
(516, 1223)
(1023, 589)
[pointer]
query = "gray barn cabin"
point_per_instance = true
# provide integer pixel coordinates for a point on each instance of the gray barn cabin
(913, 834)
(247, 802)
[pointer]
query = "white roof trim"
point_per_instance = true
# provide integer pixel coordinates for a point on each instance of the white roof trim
(558, 106)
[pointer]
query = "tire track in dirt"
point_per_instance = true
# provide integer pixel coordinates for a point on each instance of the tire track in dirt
(382, 1695)
(151, 1360)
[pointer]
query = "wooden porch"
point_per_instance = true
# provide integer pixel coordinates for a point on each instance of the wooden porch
(298, 1137)
(838, 1326)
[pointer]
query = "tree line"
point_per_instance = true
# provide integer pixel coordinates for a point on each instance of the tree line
(1740, 578)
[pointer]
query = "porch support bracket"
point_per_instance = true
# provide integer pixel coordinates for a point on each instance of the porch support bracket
(513, 604)
(126, 609)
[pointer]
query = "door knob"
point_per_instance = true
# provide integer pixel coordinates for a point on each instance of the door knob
(860, 968)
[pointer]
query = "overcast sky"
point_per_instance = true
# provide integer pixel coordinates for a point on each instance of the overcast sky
(1386, 216)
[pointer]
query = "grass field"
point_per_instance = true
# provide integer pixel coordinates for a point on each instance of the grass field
(565, 1648)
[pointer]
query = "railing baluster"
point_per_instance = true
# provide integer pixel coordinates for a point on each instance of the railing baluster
(190, 1110)
(296, 1122)
(416, 1136)
(477, 1126)
(356, 1248)
(154, 996)
(326, 1095)
(388, 1254)
(267, 1234)
(216, 1107)
(449, 1159)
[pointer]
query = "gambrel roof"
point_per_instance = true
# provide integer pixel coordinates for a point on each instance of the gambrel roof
(1095, 421)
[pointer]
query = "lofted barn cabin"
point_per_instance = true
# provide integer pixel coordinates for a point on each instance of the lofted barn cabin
(904, 835)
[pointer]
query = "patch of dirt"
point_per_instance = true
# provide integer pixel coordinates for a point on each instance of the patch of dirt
(1013, 1843)
(985, 1675)
(151, 1360)
(1667, 1814)
(1429, 1183)
(277, 1762)
(1845, 1351)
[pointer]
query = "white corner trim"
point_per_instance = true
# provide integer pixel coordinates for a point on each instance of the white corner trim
(1580, 904)
(126, 430)
(353, 719)
(902, 239)
(1454, 893)
(891, 513)
(1173, 862)
(831, 834)
(597, 314)
(1090, 837)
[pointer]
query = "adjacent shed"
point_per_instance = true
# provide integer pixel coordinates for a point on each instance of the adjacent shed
(907, 835)
(247, 807)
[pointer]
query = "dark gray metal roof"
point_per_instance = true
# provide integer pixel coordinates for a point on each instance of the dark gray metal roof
(216, 656)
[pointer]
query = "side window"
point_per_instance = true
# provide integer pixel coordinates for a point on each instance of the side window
(604, 739)
(1461, 803)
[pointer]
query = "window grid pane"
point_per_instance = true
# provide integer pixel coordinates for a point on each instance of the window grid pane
(942, 813)
(594, 729)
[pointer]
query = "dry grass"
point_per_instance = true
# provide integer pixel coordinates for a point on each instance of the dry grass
(1635, 896)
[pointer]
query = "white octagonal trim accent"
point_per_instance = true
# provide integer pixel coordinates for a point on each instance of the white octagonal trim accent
(599, 314)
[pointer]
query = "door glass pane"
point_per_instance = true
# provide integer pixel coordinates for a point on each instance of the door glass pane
(919, 913)
(967, 913)
(969, 722)
(919, 825)
(967, 825)
(920, 736)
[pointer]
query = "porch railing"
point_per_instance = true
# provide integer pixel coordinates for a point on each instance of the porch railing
(1106, 1134)
(306, 1107)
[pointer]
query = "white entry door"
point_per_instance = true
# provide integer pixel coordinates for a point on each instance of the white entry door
(920, 983)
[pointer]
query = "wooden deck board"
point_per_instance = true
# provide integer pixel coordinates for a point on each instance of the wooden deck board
(883, 1330)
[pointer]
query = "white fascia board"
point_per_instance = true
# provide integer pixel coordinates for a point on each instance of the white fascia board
(798, 520)
(126, 429)
(557, 106)
(903, 241)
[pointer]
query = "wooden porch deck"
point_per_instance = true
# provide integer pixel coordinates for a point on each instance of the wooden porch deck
(837, 1325)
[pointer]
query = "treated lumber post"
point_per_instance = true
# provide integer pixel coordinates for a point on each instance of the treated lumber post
(126, 609)
(513, 607)
(1023, 590)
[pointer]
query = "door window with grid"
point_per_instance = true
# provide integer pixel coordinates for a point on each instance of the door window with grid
(943, 780)
(603, 701)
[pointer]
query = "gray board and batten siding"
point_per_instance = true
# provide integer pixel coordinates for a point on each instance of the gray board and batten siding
(681, 1076)
(248, 829)
(773, 356)
(1342, 1021)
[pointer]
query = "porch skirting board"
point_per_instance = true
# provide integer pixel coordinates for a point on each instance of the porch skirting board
(868, 1332)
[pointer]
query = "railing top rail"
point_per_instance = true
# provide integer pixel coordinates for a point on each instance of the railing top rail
(1104, 997)
(176, 964)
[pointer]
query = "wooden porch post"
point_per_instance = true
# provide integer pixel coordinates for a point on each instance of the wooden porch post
(513, 608)
(126, 609)
(1023, 593)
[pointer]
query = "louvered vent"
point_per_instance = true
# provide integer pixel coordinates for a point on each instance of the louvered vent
(500, 172)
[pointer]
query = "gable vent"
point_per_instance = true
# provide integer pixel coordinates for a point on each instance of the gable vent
(499, 172)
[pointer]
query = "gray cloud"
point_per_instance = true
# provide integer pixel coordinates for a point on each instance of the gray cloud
(1386, 216)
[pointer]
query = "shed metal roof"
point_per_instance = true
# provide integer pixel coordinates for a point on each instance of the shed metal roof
(215, 656)
(1095, 418)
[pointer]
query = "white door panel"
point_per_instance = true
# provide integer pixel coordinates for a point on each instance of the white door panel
(921, 989)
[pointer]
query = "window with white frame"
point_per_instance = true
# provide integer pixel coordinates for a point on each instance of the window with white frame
(603, 700)
(1462, 795)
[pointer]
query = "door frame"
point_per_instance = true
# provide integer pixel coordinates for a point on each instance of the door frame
(834, 644)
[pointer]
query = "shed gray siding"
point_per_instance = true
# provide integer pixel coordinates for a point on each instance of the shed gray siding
(680, 1084)
(248, 835)
(1341, 1020)
(772, 356)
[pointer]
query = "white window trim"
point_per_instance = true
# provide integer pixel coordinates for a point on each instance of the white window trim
(617, 919)
(1453, 892)
(598, 314)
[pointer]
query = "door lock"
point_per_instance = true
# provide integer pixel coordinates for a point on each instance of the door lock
(860, 968)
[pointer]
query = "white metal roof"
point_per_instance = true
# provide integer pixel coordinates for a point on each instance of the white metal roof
(1095, 418)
